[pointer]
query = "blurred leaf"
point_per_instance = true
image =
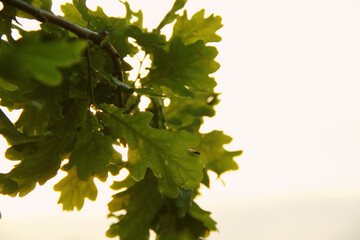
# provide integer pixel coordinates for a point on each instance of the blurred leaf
(41, 59)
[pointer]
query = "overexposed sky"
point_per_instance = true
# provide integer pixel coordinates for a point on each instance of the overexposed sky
(290, 80)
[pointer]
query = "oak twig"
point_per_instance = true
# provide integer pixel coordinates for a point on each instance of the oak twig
(81, 32)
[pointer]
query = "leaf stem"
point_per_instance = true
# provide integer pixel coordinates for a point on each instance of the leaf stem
(91, 85)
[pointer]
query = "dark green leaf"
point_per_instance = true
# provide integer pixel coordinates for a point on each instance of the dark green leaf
(183, 202)
(40, 161)
(142, 201)
(9, 131)
(93, 151)
(191, 227)
(7, 186)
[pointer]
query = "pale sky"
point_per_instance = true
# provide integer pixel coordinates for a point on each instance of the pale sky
(290, 81)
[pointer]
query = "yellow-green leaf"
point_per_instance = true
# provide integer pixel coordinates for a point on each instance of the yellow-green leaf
(74, 191)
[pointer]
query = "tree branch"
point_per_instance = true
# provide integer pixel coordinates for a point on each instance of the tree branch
(81, 32)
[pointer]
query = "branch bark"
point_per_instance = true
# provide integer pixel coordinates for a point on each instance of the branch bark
(81, 32)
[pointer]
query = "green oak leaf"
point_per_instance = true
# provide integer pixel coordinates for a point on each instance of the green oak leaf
(41, 59)
(74, 191)
(9, 131)
(35, 118)
(133, 18)
(164, 152)
(40, 161)
(197, 28)
(72, 14)
(203, 216)
(142, 202)
(148, 41)
(43, 4)
(93, 151)
(40, 156)
(8, 186)
(183, 67)
(126, 183)
(216, 157)
(81, 8)
(171, 15)
(116, 29)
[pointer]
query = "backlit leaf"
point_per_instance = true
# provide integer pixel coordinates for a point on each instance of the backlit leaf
(197, 28)
(74, 191)
(183, 67)
(216, 157)
(171, 15)
(40, 161)
(164, 152)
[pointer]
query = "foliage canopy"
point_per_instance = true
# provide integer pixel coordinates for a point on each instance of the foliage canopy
(72, 82)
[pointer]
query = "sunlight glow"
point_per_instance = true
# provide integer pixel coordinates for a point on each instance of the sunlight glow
(122, 175)
(4, 37)
(122, 150)
(167, 102)
(144, 103)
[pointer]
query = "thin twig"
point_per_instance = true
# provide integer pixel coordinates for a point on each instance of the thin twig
(81, 32)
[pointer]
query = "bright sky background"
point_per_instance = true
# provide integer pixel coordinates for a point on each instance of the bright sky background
(290, 81)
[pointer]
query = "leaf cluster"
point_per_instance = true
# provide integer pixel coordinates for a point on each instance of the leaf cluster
(78, 102)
